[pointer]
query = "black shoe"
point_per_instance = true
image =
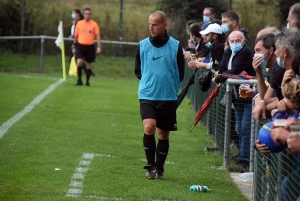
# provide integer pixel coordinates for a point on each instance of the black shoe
(79, 83)
(243, 164)
(235, 157)
(151, 172)
(87, 84)
(210, 149)
(159, 175)
(93, 74)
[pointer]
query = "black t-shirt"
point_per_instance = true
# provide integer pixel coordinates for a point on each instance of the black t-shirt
(275, 77)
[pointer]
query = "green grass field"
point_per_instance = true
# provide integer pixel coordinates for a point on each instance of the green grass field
(100, 126)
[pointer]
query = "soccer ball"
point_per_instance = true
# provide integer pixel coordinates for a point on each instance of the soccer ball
(264, 136)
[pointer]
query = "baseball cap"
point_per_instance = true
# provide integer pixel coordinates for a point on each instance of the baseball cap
(212, 28)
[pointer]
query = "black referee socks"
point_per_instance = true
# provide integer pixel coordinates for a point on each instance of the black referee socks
(150, 148)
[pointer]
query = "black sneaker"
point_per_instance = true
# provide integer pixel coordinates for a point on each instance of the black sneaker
(93, 74)
(79, 83)
(210, 149)
(159, 175)
(151, 172)
(87, 84)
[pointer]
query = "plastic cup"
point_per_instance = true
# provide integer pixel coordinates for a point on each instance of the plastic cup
(277, 123)
(295, 128)
(244, 88)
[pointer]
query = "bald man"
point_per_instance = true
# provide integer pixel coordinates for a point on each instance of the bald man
(236, 59)
(159, 65)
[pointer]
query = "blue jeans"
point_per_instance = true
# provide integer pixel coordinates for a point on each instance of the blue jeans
(243, 129)
(291, 186)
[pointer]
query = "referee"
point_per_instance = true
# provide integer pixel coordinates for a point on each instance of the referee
(159, 65)
(85, 32)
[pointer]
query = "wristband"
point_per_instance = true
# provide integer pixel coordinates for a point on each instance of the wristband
(261, 101)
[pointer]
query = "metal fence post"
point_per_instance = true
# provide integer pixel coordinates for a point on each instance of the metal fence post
(253, 132)
(42, 54)
(227, 124)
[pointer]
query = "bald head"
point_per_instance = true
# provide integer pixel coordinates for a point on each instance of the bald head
(266, 31)
(162, 16)
(236, 37)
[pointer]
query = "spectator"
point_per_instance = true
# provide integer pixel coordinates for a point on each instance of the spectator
(236, 60)
(195, 36)
(231, 21)
(286, 45)
(208, 14)
(214, 40)
(293, 20)
(190, 46)
(188, 24)
(288, 108)
(85, 32)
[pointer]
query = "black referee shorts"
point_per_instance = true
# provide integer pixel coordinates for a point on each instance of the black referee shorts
(164, 112)
(86, 52)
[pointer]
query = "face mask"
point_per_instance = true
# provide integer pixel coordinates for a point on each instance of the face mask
(209, 43)
(236, 47)
(225, 28)
(280, 63)
(287, 26)
(264, 62)
(193, 41)
(73, 15)
(206, 19)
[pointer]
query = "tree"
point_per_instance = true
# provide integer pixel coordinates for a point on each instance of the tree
(284, 8)
(180, 11)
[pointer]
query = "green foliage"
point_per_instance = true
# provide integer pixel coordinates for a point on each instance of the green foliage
(180, 11)
(284, 8)
(256, 16)
(101, 119)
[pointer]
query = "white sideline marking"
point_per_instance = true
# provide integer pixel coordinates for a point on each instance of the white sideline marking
(31, 77)
(5, 126)
(167, 162)
(76, 183)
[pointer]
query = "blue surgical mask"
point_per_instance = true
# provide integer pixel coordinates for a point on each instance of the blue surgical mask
(287, 26)
(264, 62)
(236, 47)
(206, 19)
(225, 28)
(280, 63)
(210, 43)
(73, 15)
(193, 41)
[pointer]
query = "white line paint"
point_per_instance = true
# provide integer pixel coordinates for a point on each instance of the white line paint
(76, 183)
(30, 76)
(5, 126)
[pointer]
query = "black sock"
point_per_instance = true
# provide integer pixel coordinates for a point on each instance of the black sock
(150, 148)
(79, 72)
(88, 75)
(161, 154)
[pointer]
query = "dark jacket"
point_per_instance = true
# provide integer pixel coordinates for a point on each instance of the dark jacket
(160, 42)
(242, 61)
(216, 53)
(201, 50)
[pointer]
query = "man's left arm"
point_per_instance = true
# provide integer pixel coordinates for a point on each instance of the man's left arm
(180, 62)
(98, 37)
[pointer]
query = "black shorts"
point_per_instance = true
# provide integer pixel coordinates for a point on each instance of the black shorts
(86, 52)
(164, 112)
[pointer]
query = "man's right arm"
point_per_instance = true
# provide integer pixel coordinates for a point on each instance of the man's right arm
(137, 69)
